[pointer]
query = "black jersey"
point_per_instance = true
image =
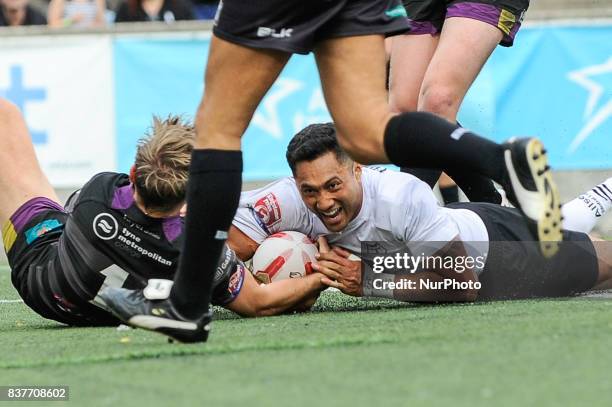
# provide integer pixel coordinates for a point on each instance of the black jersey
(101, 239)
(106, 232)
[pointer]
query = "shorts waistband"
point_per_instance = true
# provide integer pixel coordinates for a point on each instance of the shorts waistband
(23, 215)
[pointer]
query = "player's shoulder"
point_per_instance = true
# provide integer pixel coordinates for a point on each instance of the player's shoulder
(273, 208)
(278, 194)
(103, 185)
(395, 196)
(389, 186)
(285, 186)
(109, 179)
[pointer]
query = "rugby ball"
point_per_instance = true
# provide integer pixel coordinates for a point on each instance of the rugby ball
(284, 255)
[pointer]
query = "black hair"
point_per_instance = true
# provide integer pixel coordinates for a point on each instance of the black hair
(312, 142)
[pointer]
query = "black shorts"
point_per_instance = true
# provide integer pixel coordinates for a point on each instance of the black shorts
(428, 15)
(296, 26)
(515, 268)
(31, 238)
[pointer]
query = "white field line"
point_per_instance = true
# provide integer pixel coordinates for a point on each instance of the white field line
(10, 301)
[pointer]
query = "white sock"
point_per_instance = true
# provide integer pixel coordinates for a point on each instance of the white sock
(582, 213)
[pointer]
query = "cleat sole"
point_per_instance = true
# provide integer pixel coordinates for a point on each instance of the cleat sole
(549, 224)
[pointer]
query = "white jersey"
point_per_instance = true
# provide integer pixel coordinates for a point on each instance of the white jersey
(396, 207)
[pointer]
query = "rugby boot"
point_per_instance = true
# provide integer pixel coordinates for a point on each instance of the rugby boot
(133, 308)
(530, 187)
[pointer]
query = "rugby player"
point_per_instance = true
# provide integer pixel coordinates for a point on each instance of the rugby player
(252, 41)
(348, 204)
(434, 65)
(119, 230)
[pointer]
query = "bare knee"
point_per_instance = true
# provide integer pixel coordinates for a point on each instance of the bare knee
(399, 102)
(364, 144)
(439, 99)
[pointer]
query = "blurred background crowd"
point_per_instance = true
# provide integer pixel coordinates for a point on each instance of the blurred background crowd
(100, 13)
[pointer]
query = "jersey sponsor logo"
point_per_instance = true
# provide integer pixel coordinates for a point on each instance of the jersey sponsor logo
(105, 226)
(458, 133)
(224, 268)
(236, 281)
(136, 226)
(271, 32)
(268, 210)
(133, 244)
(397, 12)
(41, 228)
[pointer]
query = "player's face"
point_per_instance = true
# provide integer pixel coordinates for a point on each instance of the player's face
(331, 189)
(14, 4)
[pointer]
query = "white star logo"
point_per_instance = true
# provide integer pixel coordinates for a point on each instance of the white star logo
(592, 116)
(267, 116)
(315, 113)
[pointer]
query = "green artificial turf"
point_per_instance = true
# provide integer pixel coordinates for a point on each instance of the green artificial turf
(346, 352)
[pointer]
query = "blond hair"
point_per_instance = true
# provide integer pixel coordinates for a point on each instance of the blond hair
(161, 167)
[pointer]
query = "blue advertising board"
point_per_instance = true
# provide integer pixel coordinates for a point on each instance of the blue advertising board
(555, 83)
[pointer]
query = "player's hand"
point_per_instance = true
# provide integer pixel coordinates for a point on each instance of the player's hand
(340, 272)
(307, 304)
(323, 245)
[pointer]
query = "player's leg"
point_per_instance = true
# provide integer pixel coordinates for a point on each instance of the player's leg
(237, 78)
(352, 73)
(465, 45)
(21, 178)
(603, 249)
(411, 52)
(29, 210)
(410, 56)
(448, 189)
(582, 213)
(515, 267)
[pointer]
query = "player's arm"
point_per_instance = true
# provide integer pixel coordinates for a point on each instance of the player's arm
(255, 300)
(441, 273)
(242, 244)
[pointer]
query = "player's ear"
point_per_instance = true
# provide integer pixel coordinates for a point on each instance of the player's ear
(357, 171)
(133, 174)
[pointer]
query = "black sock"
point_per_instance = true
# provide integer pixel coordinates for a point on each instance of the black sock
(419, 139)
(213, 193)
(449, 194)
(426, 175)
(476, 187)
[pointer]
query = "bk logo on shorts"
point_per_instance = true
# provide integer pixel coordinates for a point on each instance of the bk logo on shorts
(268, 210)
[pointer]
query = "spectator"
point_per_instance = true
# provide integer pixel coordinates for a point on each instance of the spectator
(19, 12)
(77, 13)
(167, 11)
(205, 9)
